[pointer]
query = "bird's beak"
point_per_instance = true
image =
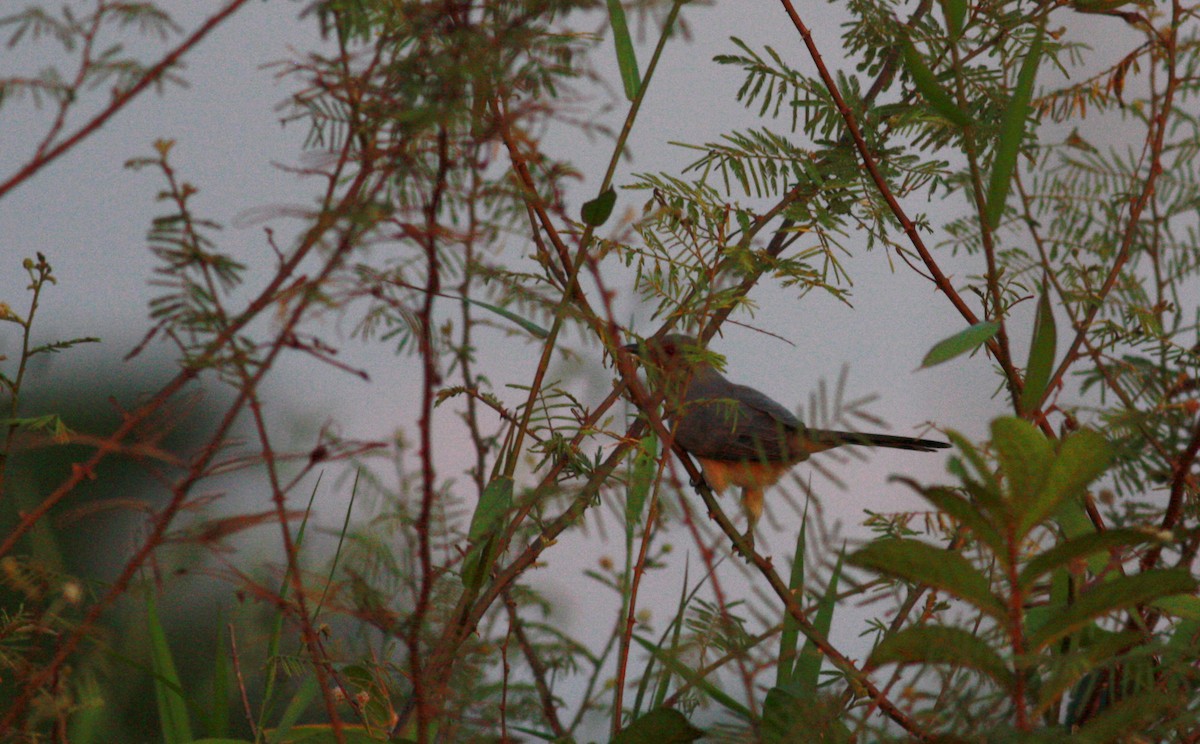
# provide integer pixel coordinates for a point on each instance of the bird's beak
(633, 348)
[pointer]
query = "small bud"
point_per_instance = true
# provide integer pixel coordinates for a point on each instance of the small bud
(72, 592)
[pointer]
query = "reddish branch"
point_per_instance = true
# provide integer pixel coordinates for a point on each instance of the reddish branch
(121, 99)
(910, 229)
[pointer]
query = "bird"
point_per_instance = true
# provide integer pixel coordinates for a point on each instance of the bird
(740, 436)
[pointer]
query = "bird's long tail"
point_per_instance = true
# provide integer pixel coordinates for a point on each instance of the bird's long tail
(838, 438)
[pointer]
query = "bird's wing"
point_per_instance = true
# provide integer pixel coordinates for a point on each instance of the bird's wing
(763, 404)
(741, 425)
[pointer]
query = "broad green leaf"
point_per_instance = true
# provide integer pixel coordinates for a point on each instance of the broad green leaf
(322, 733)
(1081, 458)
(968, 339)
(1025, 457)
(216, 712)
(963, 511)
(659, 726)
(1068, 671)
(930, 89)
(683, 670)
(792, 715)
(983, 472)
(922, 563)
(1078, 548)
(299, 703)
(1073, 521)
(939, 644)
(645, 464)
(1183, 635)
(982, 484)
(493, 505)
(956, 13)
(1041, 356)
(597, 211)
(626, 59)
(808, 666)
(1182, 606)
(173, 717)
(1110, 596)
(1126, 719)
(1012, 132)
(789, 636)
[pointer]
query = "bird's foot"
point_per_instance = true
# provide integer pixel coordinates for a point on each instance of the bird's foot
(747, 553)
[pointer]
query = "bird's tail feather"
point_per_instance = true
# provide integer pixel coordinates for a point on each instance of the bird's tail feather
(836, 438)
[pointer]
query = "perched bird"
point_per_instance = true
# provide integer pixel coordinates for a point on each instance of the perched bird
(739, 436)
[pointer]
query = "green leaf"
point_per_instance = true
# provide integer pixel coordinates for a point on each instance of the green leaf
(1041, 356)
(965, 340)
(645, 465)
(930, 89)
(938, 644)
(1127, 719)
(486, 523)
(983, 485)
(683, 670)
(1073, 521)
(597, 211)
(1080, 547)
(808, 666)
(983, 471)
(626, 59)
(659, 726)
(1181, 606)
(1183, 634)
(322, 733)
(217, 711)
(792, 715)
(1110, 596)
(1068, 671)
(1012, 132)
(525, 323)
(168, 691)
(1025, 457)
(956, 13)
(961, 510)
(789, 636)
(299, 703)
(1082, 457)
(1101, 6)
(922, 563)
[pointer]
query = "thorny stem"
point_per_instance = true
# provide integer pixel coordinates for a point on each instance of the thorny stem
(431, 378)
(631, 593)
(910, 229)
(1165, 105)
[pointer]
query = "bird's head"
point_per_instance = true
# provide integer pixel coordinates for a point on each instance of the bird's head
(671, 353)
